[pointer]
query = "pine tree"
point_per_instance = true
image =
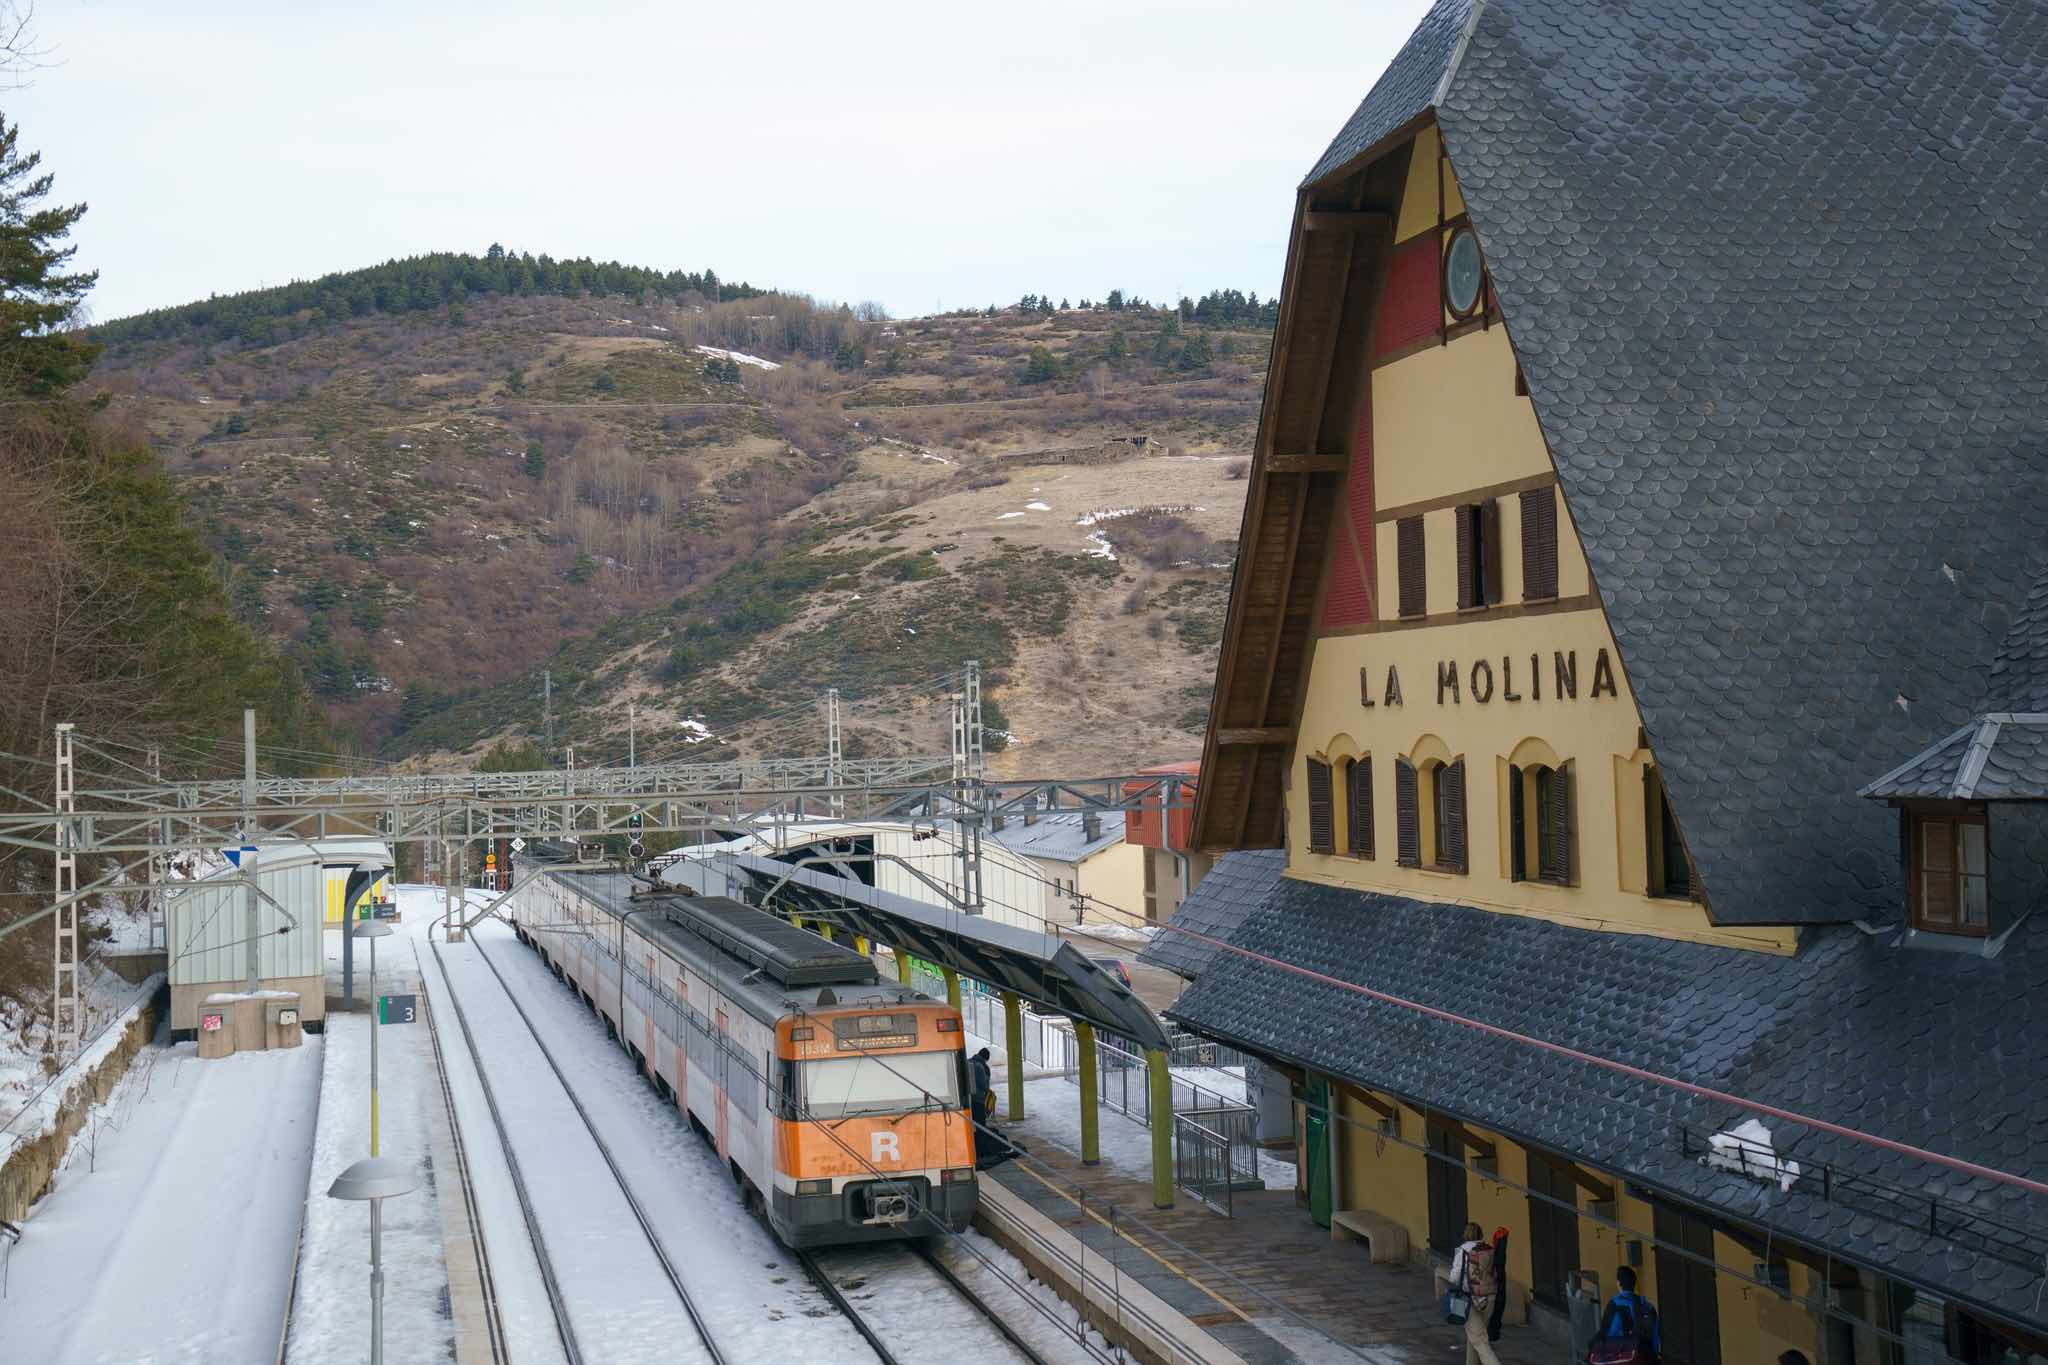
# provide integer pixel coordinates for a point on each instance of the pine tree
(1116, 300)
(1196, 355)
(1119, 349)
(1041, 367)
(36, 297)
(536, 460)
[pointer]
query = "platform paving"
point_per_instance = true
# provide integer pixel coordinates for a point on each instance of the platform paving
(1241, 1277)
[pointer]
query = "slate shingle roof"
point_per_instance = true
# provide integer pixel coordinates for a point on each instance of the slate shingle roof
(2002, 756)
(1776, 274)
(1407, 88)
(1963, 1071)
(1233, 888)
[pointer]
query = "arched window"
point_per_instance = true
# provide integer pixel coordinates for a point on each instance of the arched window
(1322, 822)
(1541, 823)
(1358, 807)
(1429, 814)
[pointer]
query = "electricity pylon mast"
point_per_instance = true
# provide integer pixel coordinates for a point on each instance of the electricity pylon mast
(65, 1024)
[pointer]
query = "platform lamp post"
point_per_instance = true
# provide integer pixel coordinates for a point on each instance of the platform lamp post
(373, 929)
(375, 1178)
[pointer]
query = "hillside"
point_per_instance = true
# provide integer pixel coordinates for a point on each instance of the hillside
(714, 509)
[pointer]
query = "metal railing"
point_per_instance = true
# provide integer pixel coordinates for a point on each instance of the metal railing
(1201, 1161)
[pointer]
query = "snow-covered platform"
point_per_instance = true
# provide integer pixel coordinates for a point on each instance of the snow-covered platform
(169, 1235)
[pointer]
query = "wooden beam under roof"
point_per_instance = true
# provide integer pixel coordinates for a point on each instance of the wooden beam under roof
(1311, 463)
(1347, 220)
(1258, 734)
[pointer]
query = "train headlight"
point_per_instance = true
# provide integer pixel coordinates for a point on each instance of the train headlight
(814, 1187)
(957, 1175)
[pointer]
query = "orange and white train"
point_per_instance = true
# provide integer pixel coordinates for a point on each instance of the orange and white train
(836, 1099)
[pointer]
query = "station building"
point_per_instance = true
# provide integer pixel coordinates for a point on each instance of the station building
(1639, 643)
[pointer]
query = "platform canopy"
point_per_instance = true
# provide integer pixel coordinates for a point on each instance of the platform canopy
(1044, 969)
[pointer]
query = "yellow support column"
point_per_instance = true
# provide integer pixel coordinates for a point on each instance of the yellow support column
(1013, 1045)
(860, 945)
(902, 966)
(826, 930)
(1160, 1078)
(1091, 1139)
(952, 986)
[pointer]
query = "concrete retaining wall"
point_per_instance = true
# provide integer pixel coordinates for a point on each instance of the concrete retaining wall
(26, 1172)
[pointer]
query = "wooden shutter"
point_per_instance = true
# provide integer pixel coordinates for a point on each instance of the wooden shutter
(1468, 554)
(1408, 546)
(1518, 861)
(1555, 858)
(1653, 833)
(1539, 543)
(1450, 830)
(1938, 872)
(1321, 822)
(1489, 552)
(1407, 819)
(1358, 807)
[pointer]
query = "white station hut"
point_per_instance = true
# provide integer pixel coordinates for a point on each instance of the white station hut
(245, 942)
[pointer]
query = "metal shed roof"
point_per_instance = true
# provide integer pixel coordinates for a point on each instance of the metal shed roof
(1042, 968)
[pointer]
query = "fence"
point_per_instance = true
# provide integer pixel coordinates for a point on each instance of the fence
(1213, 1154)
(1215, 1137)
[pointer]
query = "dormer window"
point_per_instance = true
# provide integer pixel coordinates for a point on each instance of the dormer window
(1946, 868)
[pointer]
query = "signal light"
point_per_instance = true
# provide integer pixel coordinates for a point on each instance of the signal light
(949, 1025)
(814, 1187)
(956, 1175)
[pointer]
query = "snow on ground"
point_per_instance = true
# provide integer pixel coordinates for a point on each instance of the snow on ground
(741, 356)
(1100, 548)
(169, 1237)
(331, 1320)
(1040, 1316)
(30, 1098)
(1128, 933)
(1005, 516)
(757, 1300)
(1035, 506)
(619, 1302)
(909, 1305)
(1052, 1113)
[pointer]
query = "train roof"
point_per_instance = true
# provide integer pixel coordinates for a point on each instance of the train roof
(752, 952)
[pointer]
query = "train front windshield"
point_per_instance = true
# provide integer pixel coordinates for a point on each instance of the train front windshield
(896, 1083)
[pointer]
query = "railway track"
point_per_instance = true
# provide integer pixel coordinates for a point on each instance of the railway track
(494, 1324)
(874, 1335)
(558, 1298)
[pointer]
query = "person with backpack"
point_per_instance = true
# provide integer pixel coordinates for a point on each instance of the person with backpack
(1629, 1331)
(1476, 1276)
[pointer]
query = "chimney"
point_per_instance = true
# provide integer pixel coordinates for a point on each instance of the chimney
(995, 822)
(1030, 811)
(1091, 826)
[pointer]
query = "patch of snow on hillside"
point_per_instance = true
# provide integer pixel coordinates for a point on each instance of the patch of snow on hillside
(694, 731)
(1005, 516)
(1100, 548)
(741, 356)
(1036, 506)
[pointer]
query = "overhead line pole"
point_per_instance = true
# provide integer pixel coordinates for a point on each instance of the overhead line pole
(249, 907)
(64, 1021)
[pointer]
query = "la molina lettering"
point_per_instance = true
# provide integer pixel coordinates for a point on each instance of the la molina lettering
(1482, 683)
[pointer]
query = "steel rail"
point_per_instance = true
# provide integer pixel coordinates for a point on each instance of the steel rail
(1015, 1338)
(845, 1305)
(494, 1325)
(604, 1150)
(556, 1303)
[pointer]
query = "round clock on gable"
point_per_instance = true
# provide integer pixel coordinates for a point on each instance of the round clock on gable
(1463, 273)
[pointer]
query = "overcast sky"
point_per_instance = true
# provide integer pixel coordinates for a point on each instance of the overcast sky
(923, 155)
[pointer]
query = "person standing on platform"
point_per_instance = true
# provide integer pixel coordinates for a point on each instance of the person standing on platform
(1632, 1319)
(983, 1087)
(1500, 1300)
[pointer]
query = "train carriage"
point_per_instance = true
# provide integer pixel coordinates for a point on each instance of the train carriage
(836, 1100)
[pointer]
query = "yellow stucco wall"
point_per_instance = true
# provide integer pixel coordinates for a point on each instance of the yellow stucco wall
(1115, 878)
(1418, 200)
(1447, 422)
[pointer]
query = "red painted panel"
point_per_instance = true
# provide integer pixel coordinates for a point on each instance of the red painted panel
(1345, 604)
(1411, 308)
(1358, 496)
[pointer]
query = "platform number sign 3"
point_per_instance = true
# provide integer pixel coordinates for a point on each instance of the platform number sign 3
(398, 1009)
